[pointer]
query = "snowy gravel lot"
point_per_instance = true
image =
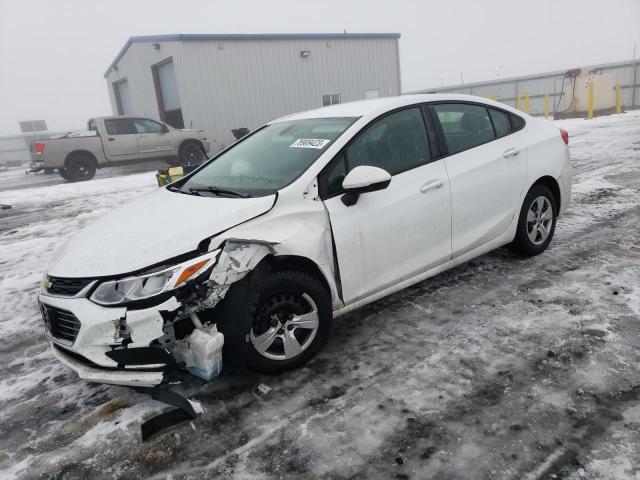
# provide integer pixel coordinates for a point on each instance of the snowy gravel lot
(501, 368)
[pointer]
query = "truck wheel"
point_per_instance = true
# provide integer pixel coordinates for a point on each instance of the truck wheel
(79, 168)
(191, 153)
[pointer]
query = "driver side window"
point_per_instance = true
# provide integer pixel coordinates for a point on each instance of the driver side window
(396, 143)
(143, 125)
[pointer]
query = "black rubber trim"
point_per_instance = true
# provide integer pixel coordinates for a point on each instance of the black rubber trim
(183, 412)
(140, 356)
(85, 361)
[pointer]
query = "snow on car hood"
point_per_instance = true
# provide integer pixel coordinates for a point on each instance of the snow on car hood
(149, 230)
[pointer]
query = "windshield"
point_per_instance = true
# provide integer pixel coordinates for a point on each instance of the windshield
(268, 160)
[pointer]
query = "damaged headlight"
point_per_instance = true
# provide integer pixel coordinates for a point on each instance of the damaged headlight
(131, 289)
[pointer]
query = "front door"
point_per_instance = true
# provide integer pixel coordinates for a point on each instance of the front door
(392, 234)
(153, 138)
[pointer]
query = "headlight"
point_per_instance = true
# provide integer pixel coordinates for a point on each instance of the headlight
(130, 289)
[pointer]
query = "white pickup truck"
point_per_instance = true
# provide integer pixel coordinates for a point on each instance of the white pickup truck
(111, 141)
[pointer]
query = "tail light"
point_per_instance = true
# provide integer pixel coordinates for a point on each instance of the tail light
(565, 136)
(39, 148)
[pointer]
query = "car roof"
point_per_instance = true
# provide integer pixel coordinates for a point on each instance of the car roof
(378, 106)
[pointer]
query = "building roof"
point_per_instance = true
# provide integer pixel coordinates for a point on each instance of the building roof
(189, 37)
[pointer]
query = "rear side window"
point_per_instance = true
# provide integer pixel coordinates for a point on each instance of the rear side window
(516, 122)
(464, 125)
(396, 143)
(120, 126)
(501, 122)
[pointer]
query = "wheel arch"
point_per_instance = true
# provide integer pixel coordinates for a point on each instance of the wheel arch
(297, 262)
(191, 140)
(553, 185)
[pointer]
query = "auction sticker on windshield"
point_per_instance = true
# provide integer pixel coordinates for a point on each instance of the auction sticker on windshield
(318, 143)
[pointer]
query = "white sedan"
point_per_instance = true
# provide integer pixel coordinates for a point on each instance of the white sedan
(307, 218)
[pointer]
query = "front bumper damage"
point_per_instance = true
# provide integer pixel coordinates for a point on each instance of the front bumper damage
(145, 347)
(101, 375)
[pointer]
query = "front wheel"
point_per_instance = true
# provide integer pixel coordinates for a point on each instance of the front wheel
(291, 322)
(191, 153)
(537, 222)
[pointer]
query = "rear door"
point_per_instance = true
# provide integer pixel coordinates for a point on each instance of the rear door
(396, 233)
(121, 141)
(486, 163)
(153, 139)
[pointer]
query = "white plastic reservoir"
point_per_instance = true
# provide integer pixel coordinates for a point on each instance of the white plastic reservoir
(201, 352)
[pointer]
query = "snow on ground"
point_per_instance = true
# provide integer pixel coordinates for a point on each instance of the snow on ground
(500, 368)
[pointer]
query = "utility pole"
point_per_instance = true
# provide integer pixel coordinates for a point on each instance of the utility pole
(635, 76)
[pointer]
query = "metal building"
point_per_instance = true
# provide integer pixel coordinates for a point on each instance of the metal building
(218, 83)
(553, 86)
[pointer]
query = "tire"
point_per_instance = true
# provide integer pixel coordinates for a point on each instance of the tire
(63, 173)
(191, 153)
(536, 223)
(286, 300)
(79, 168)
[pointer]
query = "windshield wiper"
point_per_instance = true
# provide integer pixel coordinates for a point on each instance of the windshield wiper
(219, 191)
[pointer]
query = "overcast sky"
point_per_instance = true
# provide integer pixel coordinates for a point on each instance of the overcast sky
(53, 53)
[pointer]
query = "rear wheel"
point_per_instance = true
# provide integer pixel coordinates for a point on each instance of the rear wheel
(63, 173)
(79, 168)
(537, 222)
(291, 322)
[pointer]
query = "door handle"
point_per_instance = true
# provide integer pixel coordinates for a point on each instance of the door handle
(511, 152)
(111, 139)
(431, 185)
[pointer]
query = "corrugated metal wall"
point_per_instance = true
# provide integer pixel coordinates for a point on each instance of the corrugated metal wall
(245, 83)
(135, 67)
(507, 90)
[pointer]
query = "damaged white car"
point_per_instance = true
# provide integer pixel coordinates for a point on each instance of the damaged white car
(309, 217)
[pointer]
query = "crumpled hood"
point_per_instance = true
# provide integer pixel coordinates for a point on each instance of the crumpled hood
(149, 230)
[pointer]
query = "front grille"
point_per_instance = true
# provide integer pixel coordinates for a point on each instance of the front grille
(62, 325)
(66, 286)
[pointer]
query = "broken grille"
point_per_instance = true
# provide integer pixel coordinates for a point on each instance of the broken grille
(62, 325)
(67, 286)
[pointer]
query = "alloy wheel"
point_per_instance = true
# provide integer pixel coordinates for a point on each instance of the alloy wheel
(285, 325)
(539, 220)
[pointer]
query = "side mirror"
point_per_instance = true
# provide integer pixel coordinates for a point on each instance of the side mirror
(165, 129)
(363, 179)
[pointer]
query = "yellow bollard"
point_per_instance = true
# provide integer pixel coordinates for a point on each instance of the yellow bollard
(518, 103)
(526, 102)
(493, 97)
(590, 101)
(618, 99)
(546, 105)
